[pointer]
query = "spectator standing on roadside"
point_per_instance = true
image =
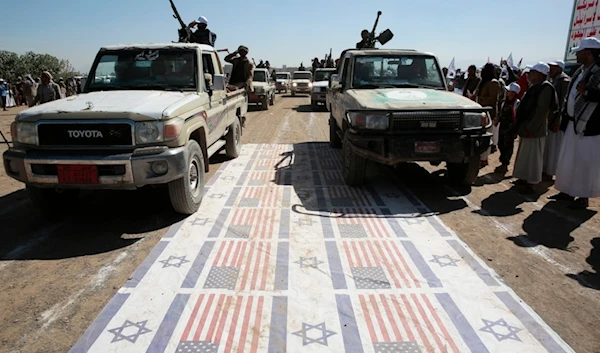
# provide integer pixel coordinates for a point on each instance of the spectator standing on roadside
(48, 90)
(507, 132)
(3, 93)
(472, 82)
(487, 94)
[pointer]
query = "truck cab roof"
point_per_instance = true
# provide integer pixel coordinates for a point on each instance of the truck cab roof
(202, 47)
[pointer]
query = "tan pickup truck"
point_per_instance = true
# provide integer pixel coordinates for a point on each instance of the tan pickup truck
(263, 89)
(150, 114)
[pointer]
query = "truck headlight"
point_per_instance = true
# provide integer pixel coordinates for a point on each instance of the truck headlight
(476, 120)
(24, 133)
(148, 132)
(369, 121)
(294, 84)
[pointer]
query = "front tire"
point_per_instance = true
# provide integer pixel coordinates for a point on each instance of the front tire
(272, 101)
(463, 173)
(334, 139)
(354, 166)
(314, 105)
(265, 104)
(233, 145)
(186, 193)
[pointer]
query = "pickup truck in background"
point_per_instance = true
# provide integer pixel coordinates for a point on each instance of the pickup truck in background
(157, 119)
(263, 89)
(393, 106)
(319, 86)
(301, 82)
(283, 81)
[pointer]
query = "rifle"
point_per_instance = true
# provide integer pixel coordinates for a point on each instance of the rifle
(184, 32)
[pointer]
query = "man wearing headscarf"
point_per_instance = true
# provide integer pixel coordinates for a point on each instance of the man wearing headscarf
(47, 91)
(472, 82)
(202, 35)
(578, 172)
(507, 133)
(29, 89)
(241, 72)
(532, 128)
(63, 87)
(561, 81)
(487, 94)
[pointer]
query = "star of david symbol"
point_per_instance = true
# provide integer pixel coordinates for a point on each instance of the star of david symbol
(304, 222)
(118, 332)
(503, 326)
(228, 177)
(200, 221)
(320, 328)
(444, 261)
(217, 196)
(305, 262)
(174, 261)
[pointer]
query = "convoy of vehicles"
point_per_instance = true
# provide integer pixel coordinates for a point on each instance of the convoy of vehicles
(393, 106)
(301, 82)
(319, 86)
(283, 81)
(157, 122)
(263, 89)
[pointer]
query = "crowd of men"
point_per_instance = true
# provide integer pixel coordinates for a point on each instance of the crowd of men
(29, 91)
(555, 117)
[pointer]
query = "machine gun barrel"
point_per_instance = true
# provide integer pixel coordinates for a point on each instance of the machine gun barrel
(184, 31)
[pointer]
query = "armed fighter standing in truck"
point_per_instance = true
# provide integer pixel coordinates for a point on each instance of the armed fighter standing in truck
(241, 72)
(202, 35)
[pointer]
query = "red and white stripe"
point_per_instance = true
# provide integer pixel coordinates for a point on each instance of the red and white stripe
(268, 177)
(357, 195)
(269, 197)
(262, 220)
(333, 175)
(230, 253)
(406, 317)
(368, 217)
(232, 321)
(382, 253)
(267, 163)
(253, 258)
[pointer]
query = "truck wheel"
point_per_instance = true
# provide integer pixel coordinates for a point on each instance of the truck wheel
(233, 140)
(313, 105)
(463, 173)
(265, 103)
(354, 166)
(51, 201)
(186, 193)
(272, 101)
(334, 139)
(293, 93)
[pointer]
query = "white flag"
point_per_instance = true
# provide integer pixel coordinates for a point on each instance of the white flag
(509, 61)
(452, 68)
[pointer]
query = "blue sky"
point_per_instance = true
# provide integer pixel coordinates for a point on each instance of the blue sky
(288, 32)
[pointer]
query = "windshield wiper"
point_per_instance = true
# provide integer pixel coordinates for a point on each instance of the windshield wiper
(159, 86)
(409, 85)
(105, 87)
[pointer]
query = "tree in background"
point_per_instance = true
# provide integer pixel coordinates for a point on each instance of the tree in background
(13, 65)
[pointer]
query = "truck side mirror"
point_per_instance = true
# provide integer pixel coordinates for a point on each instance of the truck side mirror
(218, 83)
(334, 80)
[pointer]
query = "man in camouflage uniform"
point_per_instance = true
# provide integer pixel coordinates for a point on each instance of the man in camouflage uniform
(242, 70)
(48, 90)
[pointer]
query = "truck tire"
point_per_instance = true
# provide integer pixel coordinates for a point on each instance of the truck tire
(52, 202)
(293, 93)
(354, 166)
(463, 173)
(265, 103)
(272, 101)
(314, 105)
(233, 140)
(186, 193)
(334, 139)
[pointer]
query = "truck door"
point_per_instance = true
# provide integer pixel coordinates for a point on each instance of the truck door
(217, 114)
(337, 94)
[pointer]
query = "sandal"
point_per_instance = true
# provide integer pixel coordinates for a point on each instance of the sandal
(580, 204)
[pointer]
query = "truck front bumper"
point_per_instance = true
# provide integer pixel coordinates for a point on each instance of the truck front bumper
(301, 89)
(256, 97)
(391, 150)
(127, 171)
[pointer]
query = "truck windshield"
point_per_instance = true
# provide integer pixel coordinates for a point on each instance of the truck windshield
(397, 71)
(302, 76)
(141, 69)
(282, 76)
(323, 75)
(259, 76)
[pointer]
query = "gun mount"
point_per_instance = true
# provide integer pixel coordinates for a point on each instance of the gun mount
(382, 38)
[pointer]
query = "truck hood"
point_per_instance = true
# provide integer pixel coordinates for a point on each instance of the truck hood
(407, 98)
(151, 104)
(320, 83)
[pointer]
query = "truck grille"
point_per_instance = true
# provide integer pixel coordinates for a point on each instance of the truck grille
(424, 120)
(85, 134)
(302, 84)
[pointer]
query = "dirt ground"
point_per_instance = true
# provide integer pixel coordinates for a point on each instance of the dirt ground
(57, 275)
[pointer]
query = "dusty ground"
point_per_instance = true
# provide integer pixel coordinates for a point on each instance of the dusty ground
(56, 276)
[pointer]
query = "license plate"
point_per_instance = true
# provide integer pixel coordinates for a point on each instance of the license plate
(77, 174)
(254, 96)
(428, 147)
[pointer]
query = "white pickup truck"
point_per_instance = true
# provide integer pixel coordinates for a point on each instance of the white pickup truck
(319, 86)
(156, 121)
(284, 81)
(301, 82)
(263, 89)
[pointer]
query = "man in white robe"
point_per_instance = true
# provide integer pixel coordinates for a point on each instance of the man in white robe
(561, 81)
(578, 172)
(532, 128)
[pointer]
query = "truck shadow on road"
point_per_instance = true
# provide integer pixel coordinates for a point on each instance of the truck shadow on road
(315, 172)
